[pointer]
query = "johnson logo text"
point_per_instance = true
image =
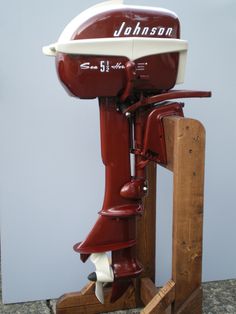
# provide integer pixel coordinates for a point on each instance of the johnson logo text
(139, 30)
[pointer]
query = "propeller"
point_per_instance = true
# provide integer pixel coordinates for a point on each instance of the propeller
(102, 275)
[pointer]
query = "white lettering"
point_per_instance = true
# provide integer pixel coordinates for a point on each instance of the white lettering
(104, 66)
(125, 30)
(118, 32)
(85, 65)
(145, 31)
(88, 66)
(137, 29)
(118, 66)
(128, 30)
(153, 31)
(161, 31)
(169, 31)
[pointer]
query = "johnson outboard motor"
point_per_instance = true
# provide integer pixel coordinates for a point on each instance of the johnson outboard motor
(129, 57)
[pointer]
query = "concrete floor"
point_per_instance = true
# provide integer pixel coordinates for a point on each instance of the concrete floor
(219, 298)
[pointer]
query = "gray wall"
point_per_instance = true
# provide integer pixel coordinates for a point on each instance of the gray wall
(51, 175)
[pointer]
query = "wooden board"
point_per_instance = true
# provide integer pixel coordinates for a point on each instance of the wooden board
(186, 159)
(193, 304)
(85, 302)
(148, 290)
(161, 300)
(146, 227)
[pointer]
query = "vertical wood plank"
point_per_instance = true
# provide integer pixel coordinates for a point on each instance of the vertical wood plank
(188, 169)
(146, 227)
(169, 127)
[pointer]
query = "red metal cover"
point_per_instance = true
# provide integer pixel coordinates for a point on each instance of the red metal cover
(87, 76)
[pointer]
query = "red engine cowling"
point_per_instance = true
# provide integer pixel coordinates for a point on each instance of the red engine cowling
(86, 75)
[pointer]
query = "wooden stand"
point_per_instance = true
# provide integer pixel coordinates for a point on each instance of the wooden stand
(185, 140)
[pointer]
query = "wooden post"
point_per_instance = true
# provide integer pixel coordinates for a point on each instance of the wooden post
(187, 163)
(146, 236)
(146, 227)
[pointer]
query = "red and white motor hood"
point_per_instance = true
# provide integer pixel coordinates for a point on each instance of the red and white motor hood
(94, 52)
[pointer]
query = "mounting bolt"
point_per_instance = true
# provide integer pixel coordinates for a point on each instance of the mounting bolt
(145, 188)
(127, 114)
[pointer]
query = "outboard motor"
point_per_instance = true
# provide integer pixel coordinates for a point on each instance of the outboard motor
(129, 57)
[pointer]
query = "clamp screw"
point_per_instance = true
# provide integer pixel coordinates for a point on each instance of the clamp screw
(145, 188)
(127, 114)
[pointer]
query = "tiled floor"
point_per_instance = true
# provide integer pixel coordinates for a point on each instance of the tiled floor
(219, 298)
